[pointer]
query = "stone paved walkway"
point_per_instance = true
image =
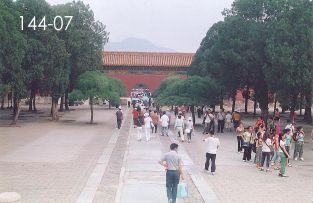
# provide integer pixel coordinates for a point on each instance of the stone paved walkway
(58, 162)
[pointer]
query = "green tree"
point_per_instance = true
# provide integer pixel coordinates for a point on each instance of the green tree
(35, 53)
(290, 48)
(12, 51)
(84, 40)
(91, 85)
(116, 90)
(195, 90)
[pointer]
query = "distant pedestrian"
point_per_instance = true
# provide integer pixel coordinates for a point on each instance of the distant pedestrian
(179, 126)
(236, 119)
(155, 121)
(266, 151)
(258, 151)
(228, 119)
(221, 121)
(213, 144)
(299, 142)
(283, 154)
(148, 124)
(189, 129)
(173, 165)
(276, 114)
(119, 117)
(135, 117)
(164, 123)
(288, 141)
(247, 140)
(239, 131)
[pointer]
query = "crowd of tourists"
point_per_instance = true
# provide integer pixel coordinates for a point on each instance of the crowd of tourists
(271, 143)
(274, 146)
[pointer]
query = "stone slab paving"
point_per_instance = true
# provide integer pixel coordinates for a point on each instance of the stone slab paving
(51, 162)
(141, 176)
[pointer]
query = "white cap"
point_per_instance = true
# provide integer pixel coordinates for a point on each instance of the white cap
(189, 119)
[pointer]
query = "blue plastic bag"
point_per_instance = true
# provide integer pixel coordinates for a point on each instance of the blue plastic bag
(182, 190)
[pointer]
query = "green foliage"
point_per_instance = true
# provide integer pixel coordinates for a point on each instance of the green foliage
(194, 90)
(84, 39)
(264, 44)
(91, 84)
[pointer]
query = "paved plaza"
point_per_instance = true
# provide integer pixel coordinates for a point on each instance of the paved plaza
(72, 161)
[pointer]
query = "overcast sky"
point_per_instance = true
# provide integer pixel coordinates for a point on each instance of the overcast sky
(176, 24)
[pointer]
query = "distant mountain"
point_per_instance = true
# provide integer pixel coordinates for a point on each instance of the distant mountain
(135, 44)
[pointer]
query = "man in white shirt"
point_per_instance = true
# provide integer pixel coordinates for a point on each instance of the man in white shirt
(213, 144)
(164, 123)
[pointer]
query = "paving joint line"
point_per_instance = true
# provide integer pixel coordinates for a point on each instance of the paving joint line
(89, 191)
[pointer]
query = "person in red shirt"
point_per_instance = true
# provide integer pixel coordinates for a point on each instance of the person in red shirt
(135, 117)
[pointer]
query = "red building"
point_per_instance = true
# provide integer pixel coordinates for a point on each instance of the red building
(145, 69)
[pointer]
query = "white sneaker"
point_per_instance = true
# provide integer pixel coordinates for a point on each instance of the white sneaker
(296, 158)
(213, 173)
(302, 159)
(272, 164)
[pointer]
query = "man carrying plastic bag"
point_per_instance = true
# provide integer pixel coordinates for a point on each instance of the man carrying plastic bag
(173, 165)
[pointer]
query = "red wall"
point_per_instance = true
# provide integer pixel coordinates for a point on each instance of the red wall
(152, 81)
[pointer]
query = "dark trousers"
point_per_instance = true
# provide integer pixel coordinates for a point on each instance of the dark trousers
(172, 180)
(220, 125)
(119, 123)
(267, 156)
(209, 157)
(239, 142)
(211, 126)
(247, 153)
(155, 129)
(236, 124)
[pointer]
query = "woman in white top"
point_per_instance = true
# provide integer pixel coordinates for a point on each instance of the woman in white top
(189, 128)
(147, 126)
(179, 126)
(266, 151)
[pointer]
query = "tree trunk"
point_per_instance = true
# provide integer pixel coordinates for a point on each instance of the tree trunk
(308, 106)
(2, 103)
(254, 107)
(109, 105)
(275, 104)
(62, 104)
(247, 99)
(34, 103)
(293, 108)
(234, 103)
(91, 109)
(221, 99)
(30, 102)
(301, 103)
(16, 109)
(66, 100)
(54, 109)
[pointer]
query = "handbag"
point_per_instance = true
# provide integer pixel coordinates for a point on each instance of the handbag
(188, 130)
(271, 147)
(182, 190)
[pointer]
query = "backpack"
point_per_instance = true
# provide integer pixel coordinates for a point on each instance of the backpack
(295, 136)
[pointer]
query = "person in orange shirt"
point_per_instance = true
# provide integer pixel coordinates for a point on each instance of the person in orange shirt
(236, 119)
(155, 121)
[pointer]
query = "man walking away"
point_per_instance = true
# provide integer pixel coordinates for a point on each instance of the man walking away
(213, 145)
(173, 165)
(164, 122)
(119, 117)
(220, 121)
